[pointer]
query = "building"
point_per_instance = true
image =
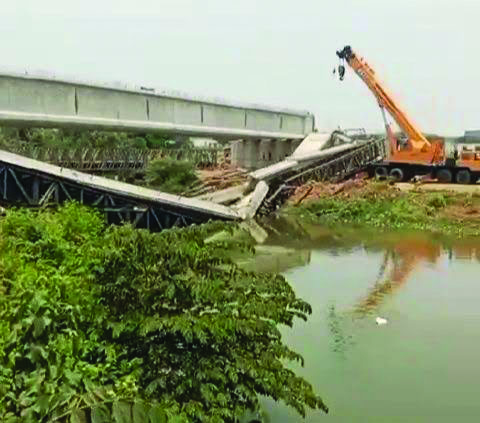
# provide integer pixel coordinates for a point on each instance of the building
(472, 136)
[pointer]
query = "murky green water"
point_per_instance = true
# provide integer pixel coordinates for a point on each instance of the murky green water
(424, 364)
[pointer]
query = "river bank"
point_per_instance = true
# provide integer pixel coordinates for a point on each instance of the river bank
(363, 203)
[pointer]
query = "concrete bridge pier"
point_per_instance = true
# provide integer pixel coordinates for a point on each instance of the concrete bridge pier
(246, 153)
(253, 154)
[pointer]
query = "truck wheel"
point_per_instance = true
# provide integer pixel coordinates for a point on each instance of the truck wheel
(444, 176)
(381, 173)
(397, 174)
(463, 177)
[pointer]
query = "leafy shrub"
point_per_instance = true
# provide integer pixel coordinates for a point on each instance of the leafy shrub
(382, 207)
(170, 175)
(92, 319)
(69, 138)
(159, 141)
(437, 201)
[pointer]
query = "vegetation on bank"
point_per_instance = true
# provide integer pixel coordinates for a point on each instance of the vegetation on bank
(169, 175)
(102, 323)
(68, 139)
(380, 205)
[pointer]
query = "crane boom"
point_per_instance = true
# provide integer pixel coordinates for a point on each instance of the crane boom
(416, 139)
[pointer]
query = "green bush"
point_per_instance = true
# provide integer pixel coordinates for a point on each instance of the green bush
(437, 201)
(12, 138)
(381, 207)
(95, 319)
(158, 141)
(170, 175)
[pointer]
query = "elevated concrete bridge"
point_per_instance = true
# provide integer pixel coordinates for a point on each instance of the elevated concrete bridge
(27, 100)
(47, 101)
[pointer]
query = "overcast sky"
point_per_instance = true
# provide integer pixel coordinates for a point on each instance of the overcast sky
(277, 52)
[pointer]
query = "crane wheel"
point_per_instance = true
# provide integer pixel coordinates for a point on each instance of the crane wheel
(397, 174)
(381, 173)
(445, 176)
(463, 177)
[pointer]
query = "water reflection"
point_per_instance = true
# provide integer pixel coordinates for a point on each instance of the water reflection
(290, 243)
(399, 261)
(341, 340)
(425, 285)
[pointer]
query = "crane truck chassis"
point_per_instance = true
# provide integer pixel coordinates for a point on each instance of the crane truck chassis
(405, 172)
(413, 155)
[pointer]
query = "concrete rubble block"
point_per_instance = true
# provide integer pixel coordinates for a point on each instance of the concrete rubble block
(259, 234)
(313, 142)
(224, 196)
(255, 199)
(315, 155)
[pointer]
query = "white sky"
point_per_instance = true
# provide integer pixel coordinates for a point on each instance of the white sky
(277, 52)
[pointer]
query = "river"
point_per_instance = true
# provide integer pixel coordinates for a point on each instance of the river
(423, 364)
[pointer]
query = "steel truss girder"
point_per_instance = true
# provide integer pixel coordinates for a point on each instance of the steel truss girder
(104, 160)
(334, 169)
(341, 167)
(27, 188)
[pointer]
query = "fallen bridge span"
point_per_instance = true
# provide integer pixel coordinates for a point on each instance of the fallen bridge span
(31, 183)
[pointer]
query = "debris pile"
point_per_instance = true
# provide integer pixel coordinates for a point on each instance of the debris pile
(217, 179)
(315, 190)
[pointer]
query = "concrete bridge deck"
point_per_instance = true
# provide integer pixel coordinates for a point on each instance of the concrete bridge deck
(47, 101)
(32, 183)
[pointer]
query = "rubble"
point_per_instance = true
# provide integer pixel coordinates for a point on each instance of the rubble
(314, 190)
(216, 180)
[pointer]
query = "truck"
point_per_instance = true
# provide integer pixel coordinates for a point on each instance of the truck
(412, 153)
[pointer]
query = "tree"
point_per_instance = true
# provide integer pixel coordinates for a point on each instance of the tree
(93, 316)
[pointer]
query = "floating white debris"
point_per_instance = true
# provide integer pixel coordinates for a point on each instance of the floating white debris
(381, 321)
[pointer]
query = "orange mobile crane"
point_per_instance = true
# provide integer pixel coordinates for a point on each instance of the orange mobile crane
(415, 155)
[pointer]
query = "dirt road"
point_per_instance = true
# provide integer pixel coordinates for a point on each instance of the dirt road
(433, 186)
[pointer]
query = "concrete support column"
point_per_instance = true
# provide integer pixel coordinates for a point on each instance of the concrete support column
(256, 154)
(295, 144)
(266, 154)
(252, 151)
(238, 153)
(278, 151)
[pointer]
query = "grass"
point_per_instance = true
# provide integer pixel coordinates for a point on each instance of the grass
(169, 175)
(380, 206)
